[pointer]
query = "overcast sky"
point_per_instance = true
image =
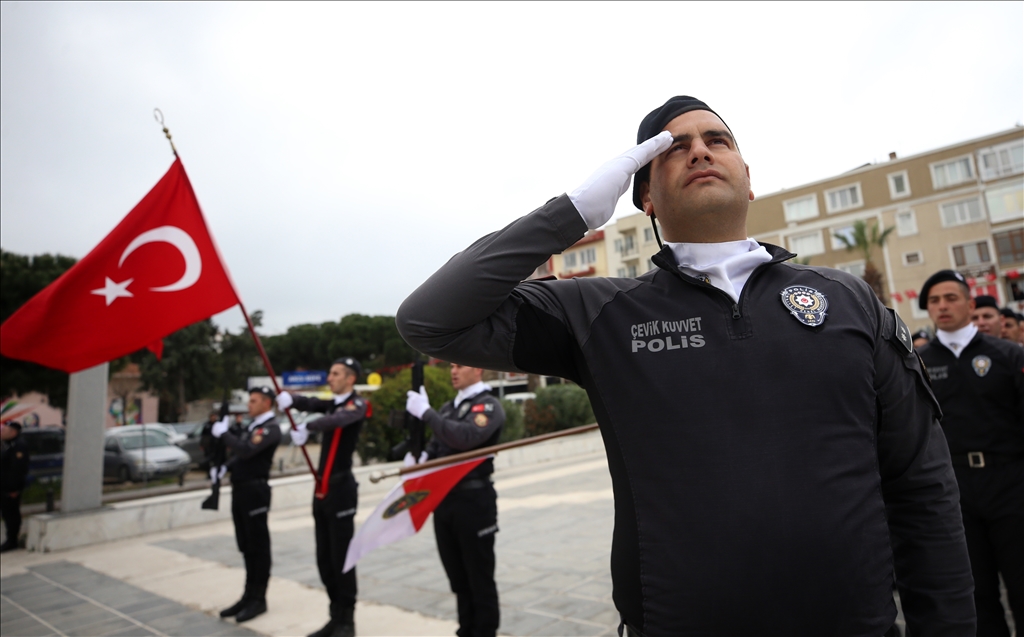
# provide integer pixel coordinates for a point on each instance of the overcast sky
(342, 152)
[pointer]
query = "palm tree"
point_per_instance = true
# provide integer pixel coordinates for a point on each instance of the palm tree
(864, 241)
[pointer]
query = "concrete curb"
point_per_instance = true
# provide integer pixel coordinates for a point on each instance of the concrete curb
(49, 532)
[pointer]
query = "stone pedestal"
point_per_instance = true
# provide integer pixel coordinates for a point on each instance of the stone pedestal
(82, 487)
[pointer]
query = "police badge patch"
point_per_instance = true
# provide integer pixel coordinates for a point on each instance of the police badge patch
(807, 305)
(464, 409)
(981, 365)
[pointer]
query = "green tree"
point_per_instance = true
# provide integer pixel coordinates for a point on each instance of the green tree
(558, 407)
(188, 370)
(238, 358)
(378, 437)
(21, 278)
(864, 240)
(514, 428)
(373, 340)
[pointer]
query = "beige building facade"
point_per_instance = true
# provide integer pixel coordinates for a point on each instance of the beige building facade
(960, 207)
(586, 257)
(630, 244)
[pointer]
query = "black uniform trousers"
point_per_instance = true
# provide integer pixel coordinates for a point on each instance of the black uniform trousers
(335, 523)
(250, 504)
(465, 523)
(10, 509)
(992, 505)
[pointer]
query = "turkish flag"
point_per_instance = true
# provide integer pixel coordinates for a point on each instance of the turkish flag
(406, 508)
(156, 272)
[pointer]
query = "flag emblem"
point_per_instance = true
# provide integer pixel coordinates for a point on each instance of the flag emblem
(404, 503)
(807, 305)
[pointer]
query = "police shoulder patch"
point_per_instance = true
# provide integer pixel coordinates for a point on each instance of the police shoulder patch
(900, 332)
(480, 420)
(807, 305)
(479, 408)
(464, 409)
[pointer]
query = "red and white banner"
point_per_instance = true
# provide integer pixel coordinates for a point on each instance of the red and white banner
(156, 272)
(406, 508)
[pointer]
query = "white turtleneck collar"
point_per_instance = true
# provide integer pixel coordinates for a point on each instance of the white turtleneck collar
(469, 392)
(727, 266)
(340, 398)
(262, 418)
(958, 340)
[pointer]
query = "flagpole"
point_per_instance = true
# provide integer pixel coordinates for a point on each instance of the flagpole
(273, 377)
(377, 476)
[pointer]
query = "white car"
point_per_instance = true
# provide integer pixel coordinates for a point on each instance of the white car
(172, 436)
(133, 455)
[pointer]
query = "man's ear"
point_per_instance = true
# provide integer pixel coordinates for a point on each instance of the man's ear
(645, 198)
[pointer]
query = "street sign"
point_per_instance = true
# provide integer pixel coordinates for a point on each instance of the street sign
(304, 379)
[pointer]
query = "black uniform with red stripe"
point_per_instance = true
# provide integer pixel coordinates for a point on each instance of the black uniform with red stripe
(337, 492)
(251, 456)
(467, 519)
(982, 398)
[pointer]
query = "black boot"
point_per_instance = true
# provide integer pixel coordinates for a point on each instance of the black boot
(326, 631)
(345, 623)
(252, 609)
(235, 608)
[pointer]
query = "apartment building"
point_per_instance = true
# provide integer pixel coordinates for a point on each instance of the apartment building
(959, 207)
(630, 244)
(586, 257)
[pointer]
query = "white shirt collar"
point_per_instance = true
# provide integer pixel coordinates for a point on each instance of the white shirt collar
(469, 392)
(340, 398)
(958, 340)
(262, 418)
(727, 265)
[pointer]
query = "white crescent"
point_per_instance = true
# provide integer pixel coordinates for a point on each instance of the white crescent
(185, 245)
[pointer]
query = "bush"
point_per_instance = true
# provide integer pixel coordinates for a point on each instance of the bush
(557, 407)
(377, 438)
(513, 428)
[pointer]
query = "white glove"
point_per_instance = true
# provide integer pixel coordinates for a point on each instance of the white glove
(221, 427)
(299, 435)
(284, 400)
(221, 472)
(409, 460)
(417, 404)
(213, 474)
(596, 198)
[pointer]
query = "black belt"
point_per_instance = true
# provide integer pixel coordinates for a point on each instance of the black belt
(983, 459)
(249, 483)
(472, 483)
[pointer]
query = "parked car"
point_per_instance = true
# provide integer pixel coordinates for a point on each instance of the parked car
(132, 455)
(191, 444)
(166, 430)
(45, 453)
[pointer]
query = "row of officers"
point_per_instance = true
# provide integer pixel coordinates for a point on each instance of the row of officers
(464, 523)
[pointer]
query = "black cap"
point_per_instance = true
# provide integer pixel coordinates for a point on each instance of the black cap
(1008, 313)
(14, 424)
(921, 333)
(266, 391)
(939, 277)
(653, 124)
(985, 301)
(351, 363)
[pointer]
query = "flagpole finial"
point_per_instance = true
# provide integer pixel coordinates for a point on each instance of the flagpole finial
(158, 115)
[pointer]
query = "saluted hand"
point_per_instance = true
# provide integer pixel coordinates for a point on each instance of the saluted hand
(596, 198)
(417, 404)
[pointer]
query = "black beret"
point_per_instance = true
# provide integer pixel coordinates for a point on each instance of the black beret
(985, 301)
(14, 424)
(939, 277)
(1008, 313)
(921, 333)
(351, 363)
(266, 391)
(653, 124)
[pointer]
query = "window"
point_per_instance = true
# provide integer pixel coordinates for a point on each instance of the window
(801, 208)
(912, 258)
(1006, 203)
(1000, 161)
(650, 264)
(588, 256)
(631, 270)
(628, 243)
(648, 235)
(906, 223)
(916, 311)
(1009, 246)
(971, 254)
(899, 185)
(569, 260)
(806, 245)
(111, 445)
(844, 198)
(845, 231)
(622, 273)
(618, 246)
(856, 268)
(952, 172)
(958, 213)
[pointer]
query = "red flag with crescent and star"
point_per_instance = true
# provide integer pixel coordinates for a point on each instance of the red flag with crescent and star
(156, 272)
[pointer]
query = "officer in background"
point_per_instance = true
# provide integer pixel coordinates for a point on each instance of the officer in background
(251, 454)
(14, 465)
(979, 381)
(1011, 326)
(467, 519)
(337, 492)
(986, 316)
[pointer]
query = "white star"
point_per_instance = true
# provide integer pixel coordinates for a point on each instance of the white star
(112, 290)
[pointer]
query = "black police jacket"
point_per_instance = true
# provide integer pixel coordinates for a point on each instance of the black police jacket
(474, 424)
(14, 460)
(251, 451)
(981, 393)
(771, 464)
(343, 418)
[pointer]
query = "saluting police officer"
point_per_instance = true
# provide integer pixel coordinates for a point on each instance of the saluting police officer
(979, 381)
(251, 455)
(337, 492)
(467, 519)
